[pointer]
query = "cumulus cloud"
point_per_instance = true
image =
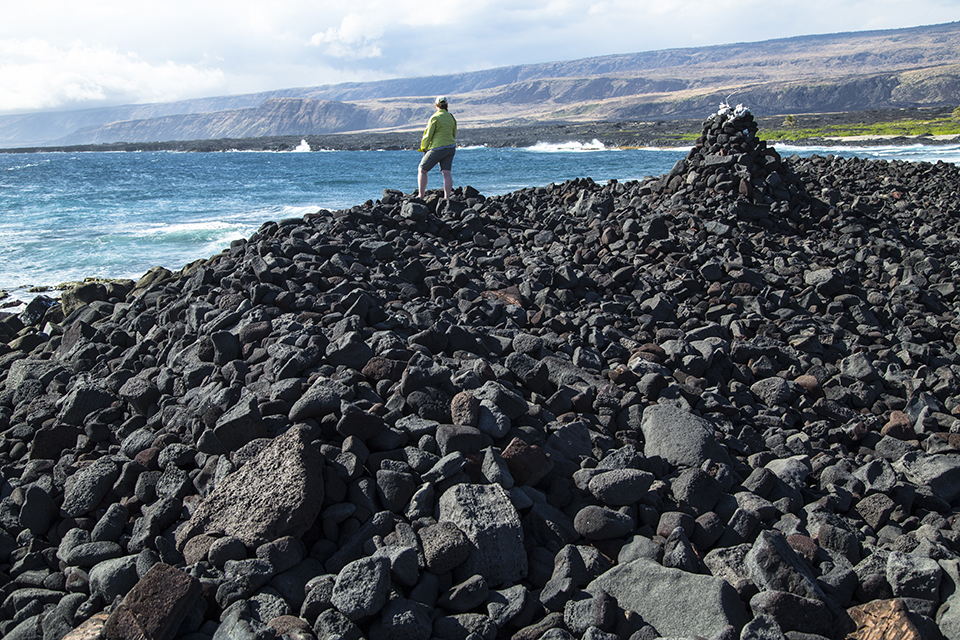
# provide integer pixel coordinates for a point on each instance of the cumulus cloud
(38, 75)
(175, 49)
(355, 37)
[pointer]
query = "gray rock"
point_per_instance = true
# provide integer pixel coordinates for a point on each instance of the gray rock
(242, 579)
(445, 546)
(598, 611)
(485, 514)
(362, 587)
(697, 489)
(464, 626)
(322, 398)
(84, 399)
(859, 367)
(395, 488)
(38, 510)
(240, 424)
(678, 553)
(225, 549)
(775, 391)
(278, 493)
(115, 577)
(676, 603)
(940, 472)
(404, 564)
(794, 613)
(503, 606)
(318, 596)
(88, 487)
(598, 523)
(913, 576)
(292, 584)
(283, 553)
(92, 553)
(333, 625)
(403, 619)
(793, 470)
(349, 350)
(774, 566)
(679, 437)
(620, 487)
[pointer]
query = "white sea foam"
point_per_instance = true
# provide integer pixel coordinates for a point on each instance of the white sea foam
(670, 149)
(914, 153)
(552, 147)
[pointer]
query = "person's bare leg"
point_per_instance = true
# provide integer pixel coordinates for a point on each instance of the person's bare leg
(422, 183)
(447, 184)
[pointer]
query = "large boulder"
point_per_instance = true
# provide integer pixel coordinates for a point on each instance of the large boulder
(276, 494)
(677, 603)
(485, 514)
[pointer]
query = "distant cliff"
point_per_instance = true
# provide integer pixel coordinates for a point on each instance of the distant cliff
(273, 117)
(838, 72)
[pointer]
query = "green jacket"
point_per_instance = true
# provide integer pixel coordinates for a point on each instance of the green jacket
(441, 131)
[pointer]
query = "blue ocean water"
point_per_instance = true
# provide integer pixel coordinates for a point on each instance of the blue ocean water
(67, 216)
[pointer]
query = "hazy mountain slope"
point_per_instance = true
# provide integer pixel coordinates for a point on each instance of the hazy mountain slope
(846, 71)
(274, 117)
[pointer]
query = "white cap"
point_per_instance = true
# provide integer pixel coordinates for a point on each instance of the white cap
(440, 100)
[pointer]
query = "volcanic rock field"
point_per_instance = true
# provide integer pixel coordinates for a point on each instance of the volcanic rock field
(720, 403)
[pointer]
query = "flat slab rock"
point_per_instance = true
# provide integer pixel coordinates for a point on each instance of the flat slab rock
(677, 603)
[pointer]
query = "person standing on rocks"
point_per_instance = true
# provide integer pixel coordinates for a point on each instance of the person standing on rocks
(438, 146)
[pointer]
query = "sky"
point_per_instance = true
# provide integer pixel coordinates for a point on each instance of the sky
(62, 55)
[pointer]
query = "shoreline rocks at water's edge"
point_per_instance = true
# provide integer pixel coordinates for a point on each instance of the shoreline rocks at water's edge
(721, 402)
(613, 134)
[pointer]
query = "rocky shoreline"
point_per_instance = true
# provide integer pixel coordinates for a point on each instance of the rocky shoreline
(658, 133)
(718, 403)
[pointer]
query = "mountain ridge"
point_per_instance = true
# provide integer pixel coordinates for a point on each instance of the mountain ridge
(899, 68)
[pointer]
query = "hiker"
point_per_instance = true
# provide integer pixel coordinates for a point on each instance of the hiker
(438, 145)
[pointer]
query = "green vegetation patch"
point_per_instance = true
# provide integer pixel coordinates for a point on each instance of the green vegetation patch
(793, 129)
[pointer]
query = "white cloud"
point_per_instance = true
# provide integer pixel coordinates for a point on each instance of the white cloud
(158, 50)
(36, 75)
(355, 38)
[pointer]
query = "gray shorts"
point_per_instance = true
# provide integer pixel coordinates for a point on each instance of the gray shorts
(441, 155)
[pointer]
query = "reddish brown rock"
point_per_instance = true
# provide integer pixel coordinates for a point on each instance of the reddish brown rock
(196, 548)
(810, 383)
(528, 463)
(465, 409)
(804, 546)
(380, 368)
(285, 624)
(156, 606)
(882, 620)
(898, 426)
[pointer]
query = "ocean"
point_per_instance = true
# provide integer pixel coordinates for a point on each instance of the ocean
(68, 216)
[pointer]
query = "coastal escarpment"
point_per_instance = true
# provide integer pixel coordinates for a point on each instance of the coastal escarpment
(720, 402)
